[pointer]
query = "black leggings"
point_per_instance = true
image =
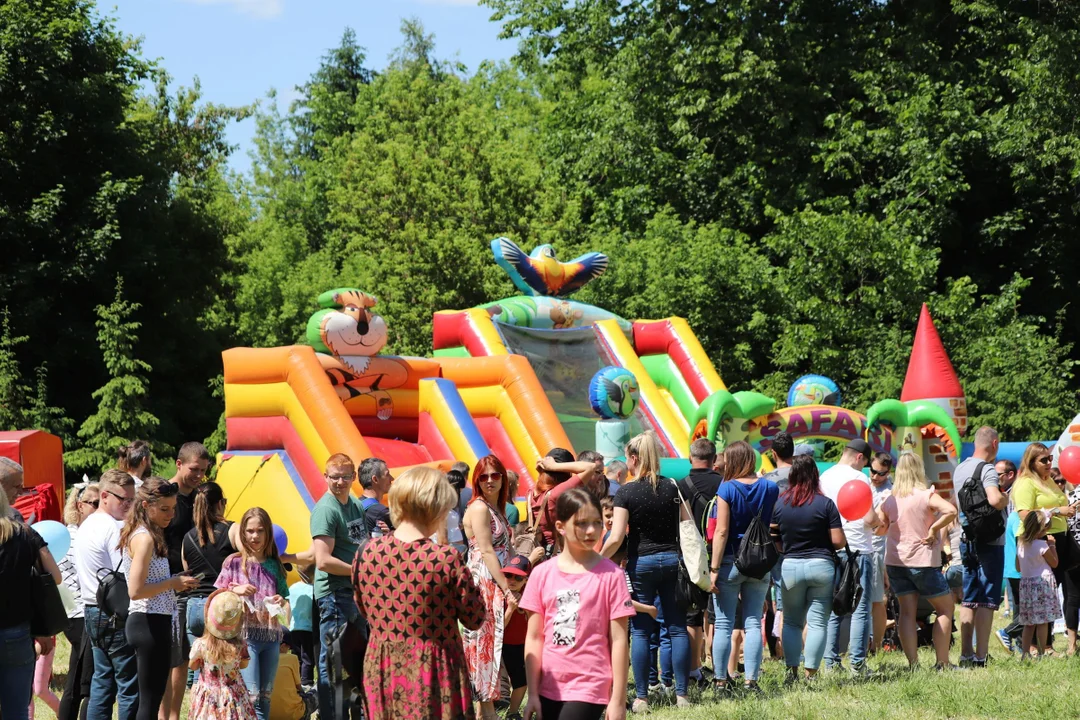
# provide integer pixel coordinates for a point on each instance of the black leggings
(80, 672)
(1071, 590)
(151, 636)
(559, 710)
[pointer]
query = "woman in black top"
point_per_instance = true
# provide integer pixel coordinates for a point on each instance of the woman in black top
(205, 548)
(20, 549)
(649, 504)
(809, 528)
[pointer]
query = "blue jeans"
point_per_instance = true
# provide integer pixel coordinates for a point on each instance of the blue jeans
(116, 672)
(807, 589)
(861, 620)
(16, 671)
(335, 612)
(731, 584)
(777, 578)
(259, 674)
(196, 624)
(652, 576)
(660, 649)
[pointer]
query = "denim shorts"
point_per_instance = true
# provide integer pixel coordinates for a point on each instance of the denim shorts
(928, 582)
(955, 577)
(984, 568)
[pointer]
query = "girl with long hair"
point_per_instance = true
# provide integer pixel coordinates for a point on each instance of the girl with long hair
(809, 528)
(647, 515)
(152, 589)
(576, 648)
(914, 516)
(488, 534)
(256, 574)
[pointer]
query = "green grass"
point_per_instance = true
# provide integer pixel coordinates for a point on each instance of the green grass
(1006, 689)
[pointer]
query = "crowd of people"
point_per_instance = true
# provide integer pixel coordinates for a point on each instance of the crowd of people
(446, 603)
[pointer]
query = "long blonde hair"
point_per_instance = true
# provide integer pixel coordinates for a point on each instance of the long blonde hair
(909, 476)
(1027, 463)
(8, 527)
(646, 448)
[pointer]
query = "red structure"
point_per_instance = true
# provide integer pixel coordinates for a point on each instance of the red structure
(40, 454)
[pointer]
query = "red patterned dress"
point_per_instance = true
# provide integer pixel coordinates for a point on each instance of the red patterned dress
(483, 646)
(413, 595)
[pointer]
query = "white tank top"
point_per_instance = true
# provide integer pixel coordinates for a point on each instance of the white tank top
(162, 603)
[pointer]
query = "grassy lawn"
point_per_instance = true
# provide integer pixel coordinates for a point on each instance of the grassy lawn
(1006, 689)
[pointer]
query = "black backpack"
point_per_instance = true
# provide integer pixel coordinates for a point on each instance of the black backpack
(847, 591)
(983, 522)
(757, 550)
(112, 593)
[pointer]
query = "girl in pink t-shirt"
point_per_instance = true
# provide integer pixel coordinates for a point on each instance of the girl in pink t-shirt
(577, 648)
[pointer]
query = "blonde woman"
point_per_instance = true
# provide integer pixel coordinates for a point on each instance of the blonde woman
(414, 592)
(82, 502)
(914, 516)
(648, 504)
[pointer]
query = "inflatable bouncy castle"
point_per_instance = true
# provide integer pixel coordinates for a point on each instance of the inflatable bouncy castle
(517, 377)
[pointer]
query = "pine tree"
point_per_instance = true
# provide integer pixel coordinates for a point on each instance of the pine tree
(122, 414)
(14, 393)
(40, 415)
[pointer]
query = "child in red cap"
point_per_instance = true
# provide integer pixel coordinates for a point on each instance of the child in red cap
(516, 570)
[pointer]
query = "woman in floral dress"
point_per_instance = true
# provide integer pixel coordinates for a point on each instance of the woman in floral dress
(414, 593)
(489, 549)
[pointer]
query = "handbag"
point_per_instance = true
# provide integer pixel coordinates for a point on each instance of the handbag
(688, 596)
(694, 557)
(847, 591)
(48, 616)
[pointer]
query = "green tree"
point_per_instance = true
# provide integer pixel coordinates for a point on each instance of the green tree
(122, 414)
(14, 392)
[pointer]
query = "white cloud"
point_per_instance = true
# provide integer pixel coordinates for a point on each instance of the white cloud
(263, 9)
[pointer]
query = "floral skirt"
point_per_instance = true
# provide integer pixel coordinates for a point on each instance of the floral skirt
(1038, 600)
(218, 696)
(416, 679)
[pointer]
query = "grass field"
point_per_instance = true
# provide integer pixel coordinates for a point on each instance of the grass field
(1006, 689)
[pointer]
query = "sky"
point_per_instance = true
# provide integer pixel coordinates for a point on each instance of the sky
(239, 49)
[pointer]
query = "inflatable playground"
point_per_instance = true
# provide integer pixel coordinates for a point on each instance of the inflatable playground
(519, 376)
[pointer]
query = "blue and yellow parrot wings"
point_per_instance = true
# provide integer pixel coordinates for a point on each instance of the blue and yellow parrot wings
(540, 273)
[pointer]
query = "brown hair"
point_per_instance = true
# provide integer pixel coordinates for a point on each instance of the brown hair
(246, 552)
(152, 490)
(115, 480)
(339, 460)
(132, 455)
(205, 512)
(739, 460)
(193, 451)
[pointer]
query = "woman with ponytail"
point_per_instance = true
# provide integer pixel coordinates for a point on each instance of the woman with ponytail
(204, 551)
(649, 505)
(135, 459)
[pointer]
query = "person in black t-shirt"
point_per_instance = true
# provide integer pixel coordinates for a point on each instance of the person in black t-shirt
(376, 480)
(698, 488)
(192, 462)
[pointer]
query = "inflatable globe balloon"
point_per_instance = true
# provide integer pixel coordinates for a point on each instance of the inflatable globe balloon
(281, 539)
(613, 393)
(813, 390)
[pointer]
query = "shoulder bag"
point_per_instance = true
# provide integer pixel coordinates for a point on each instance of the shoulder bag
(692, 546)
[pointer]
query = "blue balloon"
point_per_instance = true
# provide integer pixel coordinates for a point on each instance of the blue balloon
(56, 536)
(813, 390)
(613, 392)
(280, 539)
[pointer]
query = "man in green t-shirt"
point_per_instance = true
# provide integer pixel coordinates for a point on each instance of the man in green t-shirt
(337, 527)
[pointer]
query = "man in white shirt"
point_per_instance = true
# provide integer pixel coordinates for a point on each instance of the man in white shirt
(859, 534)
(97, 550)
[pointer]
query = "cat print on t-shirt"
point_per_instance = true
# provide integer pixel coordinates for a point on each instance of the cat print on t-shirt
(567, 607)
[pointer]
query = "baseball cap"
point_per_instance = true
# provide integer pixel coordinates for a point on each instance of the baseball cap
(860, 446)
(518, 565)
(804, 449)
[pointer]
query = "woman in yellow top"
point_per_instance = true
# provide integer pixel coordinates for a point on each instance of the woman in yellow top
(1035, 490)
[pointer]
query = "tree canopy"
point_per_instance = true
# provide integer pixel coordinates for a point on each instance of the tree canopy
(793, 177)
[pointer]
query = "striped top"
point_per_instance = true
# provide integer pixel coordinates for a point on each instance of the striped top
(69, 576)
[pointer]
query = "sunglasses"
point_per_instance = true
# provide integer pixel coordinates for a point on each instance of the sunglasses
(1046, 460)
(92, 503)
(123, 500)
(879, 473)
(491, 475)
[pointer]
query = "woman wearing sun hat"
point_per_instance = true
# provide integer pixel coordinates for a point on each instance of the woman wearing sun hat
(220, 693)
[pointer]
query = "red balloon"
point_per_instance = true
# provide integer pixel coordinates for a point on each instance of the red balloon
(1069, 464)
(854, 499)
